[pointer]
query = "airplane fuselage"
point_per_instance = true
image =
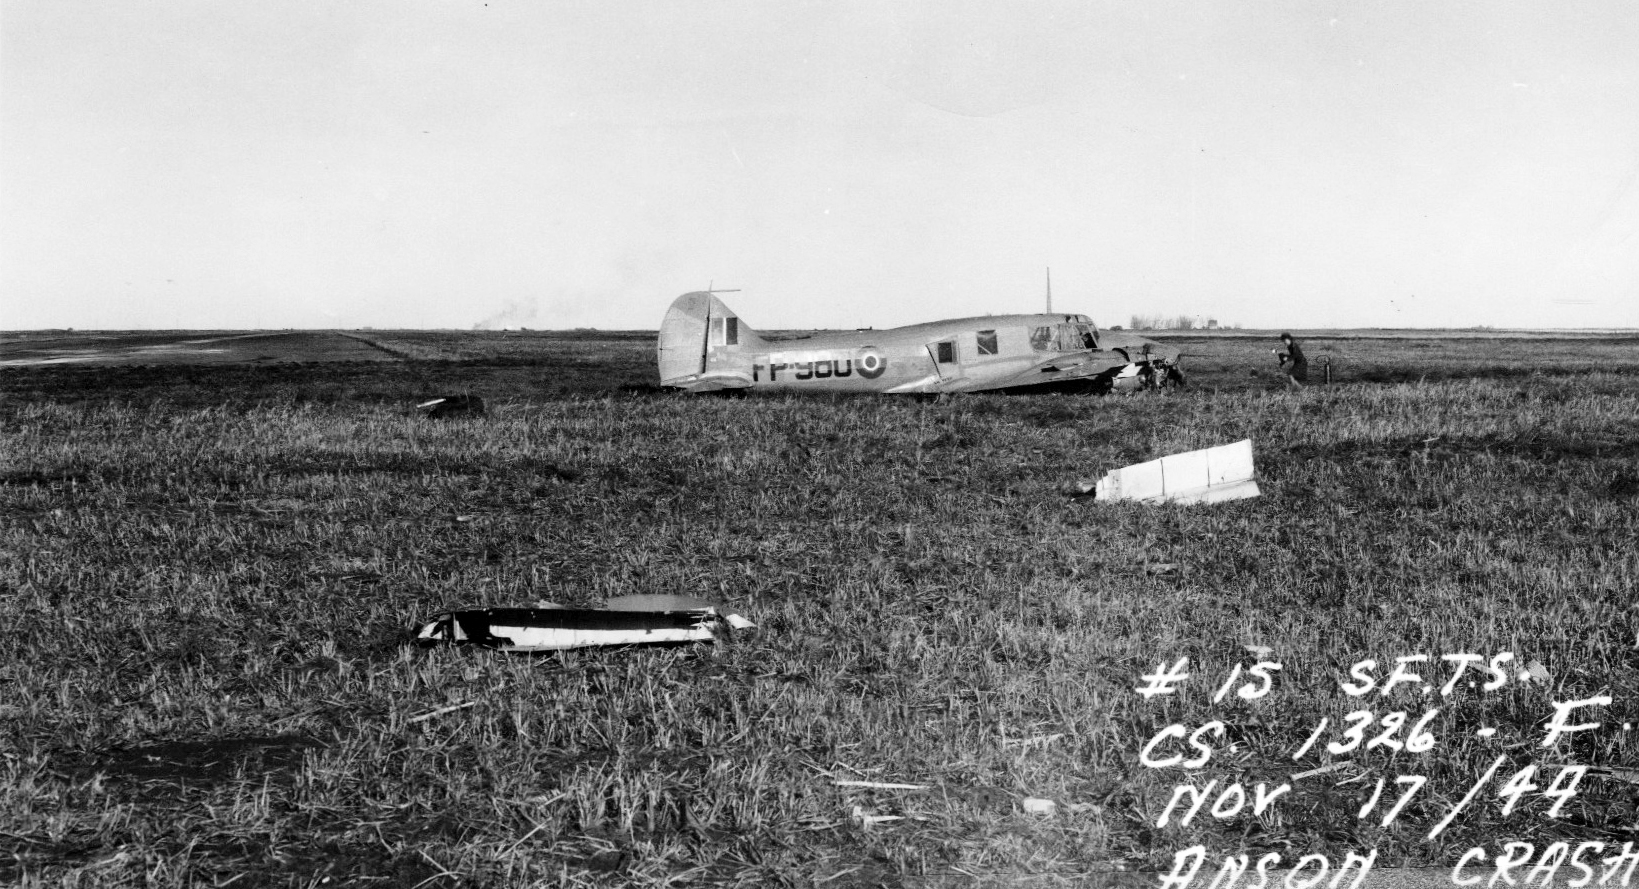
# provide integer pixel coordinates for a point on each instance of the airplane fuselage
(703, 347)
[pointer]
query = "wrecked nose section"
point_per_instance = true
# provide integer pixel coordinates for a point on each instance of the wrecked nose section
(1126, 378)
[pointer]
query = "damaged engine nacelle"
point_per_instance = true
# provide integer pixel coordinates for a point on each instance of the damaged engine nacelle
(1157, 373)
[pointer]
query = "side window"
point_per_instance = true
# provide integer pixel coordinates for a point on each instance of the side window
(945, 352)
(1041, 339)
(987, 342)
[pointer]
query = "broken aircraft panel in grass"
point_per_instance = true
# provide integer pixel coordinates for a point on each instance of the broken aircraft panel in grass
(448, 406)
(704, 347)
(1211, 475)
(557, 629)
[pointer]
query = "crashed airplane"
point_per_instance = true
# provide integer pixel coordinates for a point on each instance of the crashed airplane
(705, 348)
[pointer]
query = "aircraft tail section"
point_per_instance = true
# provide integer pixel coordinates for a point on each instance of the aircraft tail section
(704, 346)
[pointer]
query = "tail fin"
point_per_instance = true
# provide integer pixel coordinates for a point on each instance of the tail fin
(704, 346)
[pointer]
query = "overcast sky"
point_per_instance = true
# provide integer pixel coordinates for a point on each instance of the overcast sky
(569, 164)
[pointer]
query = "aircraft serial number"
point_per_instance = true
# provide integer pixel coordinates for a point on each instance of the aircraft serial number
(868, 364)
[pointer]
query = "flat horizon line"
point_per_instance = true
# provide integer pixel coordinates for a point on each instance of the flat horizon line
(1215, 331)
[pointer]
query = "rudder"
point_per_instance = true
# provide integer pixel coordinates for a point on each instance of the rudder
(699, 336)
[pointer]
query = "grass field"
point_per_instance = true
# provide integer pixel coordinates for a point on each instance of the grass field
(207, 575)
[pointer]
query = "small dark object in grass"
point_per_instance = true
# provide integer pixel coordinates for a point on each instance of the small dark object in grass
(606, 861)
(205, 762)
(1623, 486)
(454, 406)
(559, 473)
(69, 478)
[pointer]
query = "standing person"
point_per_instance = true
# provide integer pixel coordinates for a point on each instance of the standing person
(1298, 373)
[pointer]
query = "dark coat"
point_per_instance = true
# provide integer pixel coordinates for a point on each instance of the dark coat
(1300, 365)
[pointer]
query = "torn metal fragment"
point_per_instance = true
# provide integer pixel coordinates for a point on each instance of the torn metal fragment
(441, 711)
(1211, 475)
(453, 406)
(1035, 806)
(867, 821)
(557, 629)
(880, 785)
(667, 602)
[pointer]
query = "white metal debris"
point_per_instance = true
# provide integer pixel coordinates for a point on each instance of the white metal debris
(1035, 806)
(867, 821)
(663, 602)
(556, 629)
(1211, 475)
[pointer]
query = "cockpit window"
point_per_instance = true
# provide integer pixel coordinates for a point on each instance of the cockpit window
(1067, 337)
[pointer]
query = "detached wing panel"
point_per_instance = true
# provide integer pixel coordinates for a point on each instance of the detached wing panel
(1211, 475)
(1141, 481)
(1230, 463)
(1187, 471)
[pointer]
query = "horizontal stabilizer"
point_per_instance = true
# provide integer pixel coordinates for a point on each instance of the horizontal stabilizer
(711, 382)
(1211, 475)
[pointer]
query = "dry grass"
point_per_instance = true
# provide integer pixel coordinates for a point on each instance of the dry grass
(207, 582)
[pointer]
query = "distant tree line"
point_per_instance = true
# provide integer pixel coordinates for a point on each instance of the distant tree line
(1177, 322)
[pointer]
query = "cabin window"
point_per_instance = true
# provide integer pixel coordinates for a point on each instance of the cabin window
(945, 352)
(1041, 339)
(987, 342)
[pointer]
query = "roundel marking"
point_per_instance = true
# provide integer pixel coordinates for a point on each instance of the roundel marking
(870, 363)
